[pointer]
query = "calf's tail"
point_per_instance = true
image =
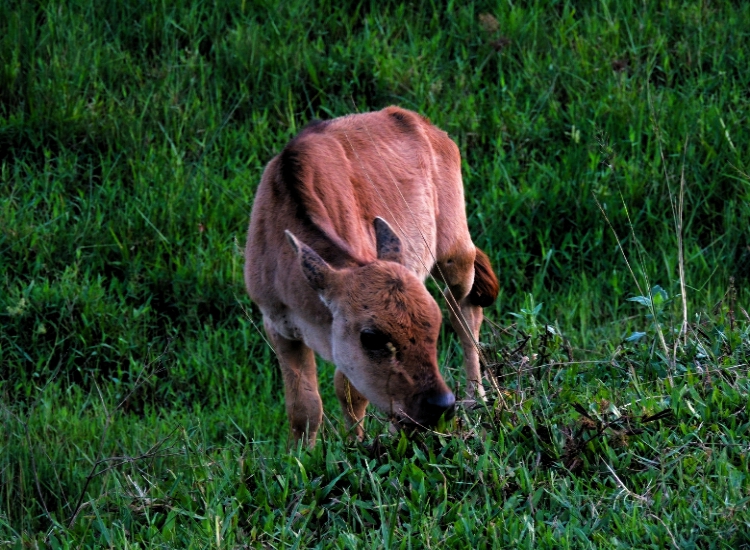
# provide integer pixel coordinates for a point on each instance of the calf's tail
(486, 288)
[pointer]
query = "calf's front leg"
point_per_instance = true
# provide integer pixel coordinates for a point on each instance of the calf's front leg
(304, 407)
(352, 402)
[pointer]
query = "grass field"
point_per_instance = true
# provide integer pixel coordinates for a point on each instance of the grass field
(602, 143)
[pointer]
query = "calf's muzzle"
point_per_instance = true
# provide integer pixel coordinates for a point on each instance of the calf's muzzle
(436, 403)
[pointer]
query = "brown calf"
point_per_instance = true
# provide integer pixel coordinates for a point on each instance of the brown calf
(348, 221)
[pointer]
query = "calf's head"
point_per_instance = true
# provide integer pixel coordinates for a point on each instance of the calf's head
(384, 330)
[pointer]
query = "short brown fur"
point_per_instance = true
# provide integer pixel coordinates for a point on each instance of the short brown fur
(348, 221)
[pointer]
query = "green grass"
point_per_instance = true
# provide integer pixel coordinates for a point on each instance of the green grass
(140, 405)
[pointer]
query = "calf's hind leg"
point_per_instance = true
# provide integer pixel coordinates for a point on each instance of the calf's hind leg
(304, 407)
(466, 318)
(471, 285)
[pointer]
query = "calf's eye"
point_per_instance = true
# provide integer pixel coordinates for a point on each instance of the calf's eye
(374, 340)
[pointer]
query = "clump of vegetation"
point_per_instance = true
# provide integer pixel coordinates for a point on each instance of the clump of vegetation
(606, 176)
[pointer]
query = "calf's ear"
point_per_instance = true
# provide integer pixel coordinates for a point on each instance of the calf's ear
(388, 244)
(315, 269)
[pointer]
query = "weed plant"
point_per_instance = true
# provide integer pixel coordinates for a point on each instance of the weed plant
(605, 153)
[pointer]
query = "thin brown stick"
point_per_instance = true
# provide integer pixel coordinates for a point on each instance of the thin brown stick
(94, 468)
(27, 434)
